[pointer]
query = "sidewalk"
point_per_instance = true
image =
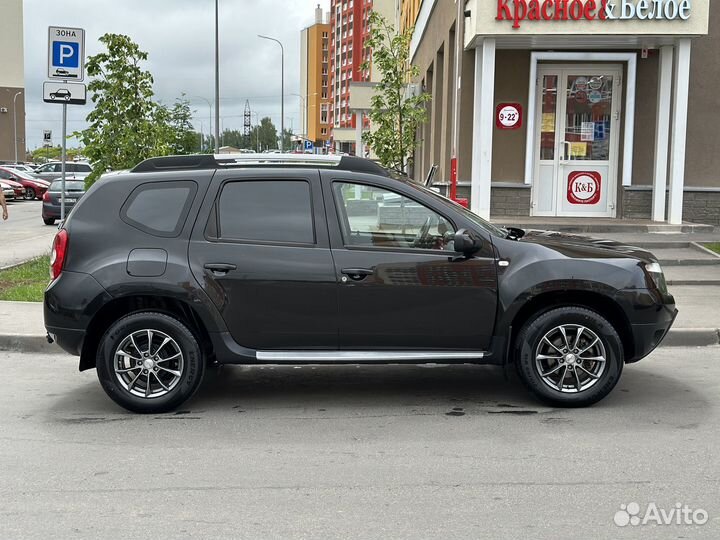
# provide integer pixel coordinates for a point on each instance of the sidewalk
(698, 323)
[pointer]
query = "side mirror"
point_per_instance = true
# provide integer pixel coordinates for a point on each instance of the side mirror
(466, 243)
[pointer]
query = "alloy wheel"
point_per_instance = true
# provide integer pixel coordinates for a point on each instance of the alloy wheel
(29, 194)
(570, 358)
(148, 363)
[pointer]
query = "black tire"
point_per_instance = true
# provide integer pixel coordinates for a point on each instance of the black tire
(527, 348)
(48, 221)
(30, 194)
(191, 372)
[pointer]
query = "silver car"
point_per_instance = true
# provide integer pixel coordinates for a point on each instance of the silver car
(53, 170)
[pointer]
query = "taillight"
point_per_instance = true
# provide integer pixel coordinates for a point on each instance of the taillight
(59, 251)
(46, 196)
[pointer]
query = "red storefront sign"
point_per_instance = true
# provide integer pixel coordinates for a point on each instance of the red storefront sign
(584, 187)
(591, 10)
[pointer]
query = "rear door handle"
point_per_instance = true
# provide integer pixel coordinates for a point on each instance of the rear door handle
(220, 268)
(357, 274)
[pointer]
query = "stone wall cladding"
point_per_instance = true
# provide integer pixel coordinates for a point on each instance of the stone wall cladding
(505, 201)
(700, 206)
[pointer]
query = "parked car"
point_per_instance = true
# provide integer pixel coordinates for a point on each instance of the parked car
(52, 203)
(53, 170)
(196, 260)
(8, 180)
(20, 167)
(34, 188)
(7, 191)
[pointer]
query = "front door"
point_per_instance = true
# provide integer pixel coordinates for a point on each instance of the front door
(402, 286)
(576, 141)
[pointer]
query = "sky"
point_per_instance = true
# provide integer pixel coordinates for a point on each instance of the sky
(178, 36)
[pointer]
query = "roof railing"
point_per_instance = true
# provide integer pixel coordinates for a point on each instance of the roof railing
(222, 161)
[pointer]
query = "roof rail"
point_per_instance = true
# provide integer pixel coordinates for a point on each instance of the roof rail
(218, 161)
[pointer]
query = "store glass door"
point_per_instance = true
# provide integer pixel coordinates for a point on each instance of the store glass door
(577, 141)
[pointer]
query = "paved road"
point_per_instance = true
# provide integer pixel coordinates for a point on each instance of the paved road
(24, 235)
(357, 452)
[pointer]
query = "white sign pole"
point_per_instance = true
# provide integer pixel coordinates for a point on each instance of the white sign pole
(64, 157)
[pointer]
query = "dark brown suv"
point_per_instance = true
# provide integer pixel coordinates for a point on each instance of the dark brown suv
(299, 259)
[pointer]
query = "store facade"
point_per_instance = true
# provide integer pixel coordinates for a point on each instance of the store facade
(574, 108)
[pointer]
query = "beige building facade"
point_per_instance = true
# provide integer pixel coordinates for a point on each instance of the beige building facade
(12, 82)
(314, 76)
(576, 108)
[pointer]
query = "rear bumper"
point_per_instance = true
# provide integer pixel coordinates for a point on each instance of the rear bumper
(53, 210)
(70, 303)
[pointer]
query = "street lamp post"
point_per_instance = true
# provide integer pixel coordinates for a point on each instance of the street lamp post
(282, 89)
(257, 130)
(217, 78)
(303, 114)
(15, 123)
(206, 100)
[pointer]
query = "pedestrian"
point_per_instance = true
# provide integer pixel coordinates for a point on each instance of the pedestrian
(4, 205)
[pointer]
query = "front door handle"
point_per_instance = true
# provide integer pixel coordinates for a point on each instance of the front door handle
(220, 268)
(357, 274)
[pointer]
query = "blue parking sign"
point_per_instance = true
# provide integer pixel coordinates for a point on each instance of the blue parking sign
(309, 145)
(65, 54)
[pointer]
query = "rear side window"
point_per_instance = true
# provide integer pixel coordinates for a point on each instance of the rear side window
(80, 167)
(159, 208)
(278, 211)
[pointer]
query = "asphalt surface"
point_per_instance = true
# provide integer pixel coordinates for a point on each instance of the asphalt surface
(358, 452)
(24, 235)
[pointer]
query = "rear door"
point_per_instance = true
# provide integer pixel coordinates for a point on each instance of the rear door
(401, 284)
(260, 249)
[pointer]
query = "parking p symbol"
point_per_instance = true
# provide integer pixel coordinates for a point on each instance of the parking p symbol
(66, 54)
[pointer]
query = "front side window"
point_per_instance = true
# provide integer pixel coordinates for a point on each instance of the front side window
(276, 211)
(374, 217)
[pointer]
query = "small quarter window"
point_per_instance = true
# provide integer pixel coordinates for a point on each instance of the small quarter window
(267, 211)
(159, 208)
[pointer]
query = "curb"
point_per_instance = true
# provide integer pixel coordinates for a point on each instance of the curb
(680, 337)
(28, 343)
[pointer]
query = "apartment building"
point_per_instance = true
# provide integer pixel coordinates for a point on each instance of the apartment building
(314, 80)
(12, 82)
(348, 52)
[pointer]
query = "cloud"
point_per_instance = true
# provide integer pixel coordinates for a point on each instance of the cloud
(178, 36)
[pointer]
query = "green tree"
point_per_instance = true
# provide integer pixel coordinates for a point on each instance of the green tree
(127, 125)
(395, 114)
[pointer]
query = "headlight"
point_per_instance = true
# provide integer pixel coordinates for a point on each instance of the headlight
(654, 270)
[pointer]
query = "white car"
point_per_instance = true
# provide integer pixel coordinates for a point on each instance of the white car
(8, 192)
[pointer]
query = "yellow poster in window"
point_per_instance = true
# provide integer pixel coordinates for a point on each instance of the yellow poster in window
(548, 123)
(578, 149)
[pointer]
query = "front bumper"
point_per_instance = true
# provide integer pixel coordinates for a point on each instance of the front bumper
(647, 337)
(651, 314)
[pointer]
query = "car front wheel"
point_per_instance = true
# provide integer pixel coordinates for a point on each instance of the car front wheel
(569, 357)
(149, 362)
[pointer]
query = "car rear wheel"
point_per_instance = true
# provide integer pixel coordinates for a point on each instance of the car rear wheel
(149, 362)
(569, 357)
(30, 194)
(49, 221)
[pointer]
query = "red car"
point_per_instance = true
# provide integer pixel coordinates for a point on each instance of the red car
(30, 188)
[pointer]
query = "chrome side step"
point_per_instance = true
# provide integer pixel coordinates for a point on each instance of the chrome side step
(367, 356)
